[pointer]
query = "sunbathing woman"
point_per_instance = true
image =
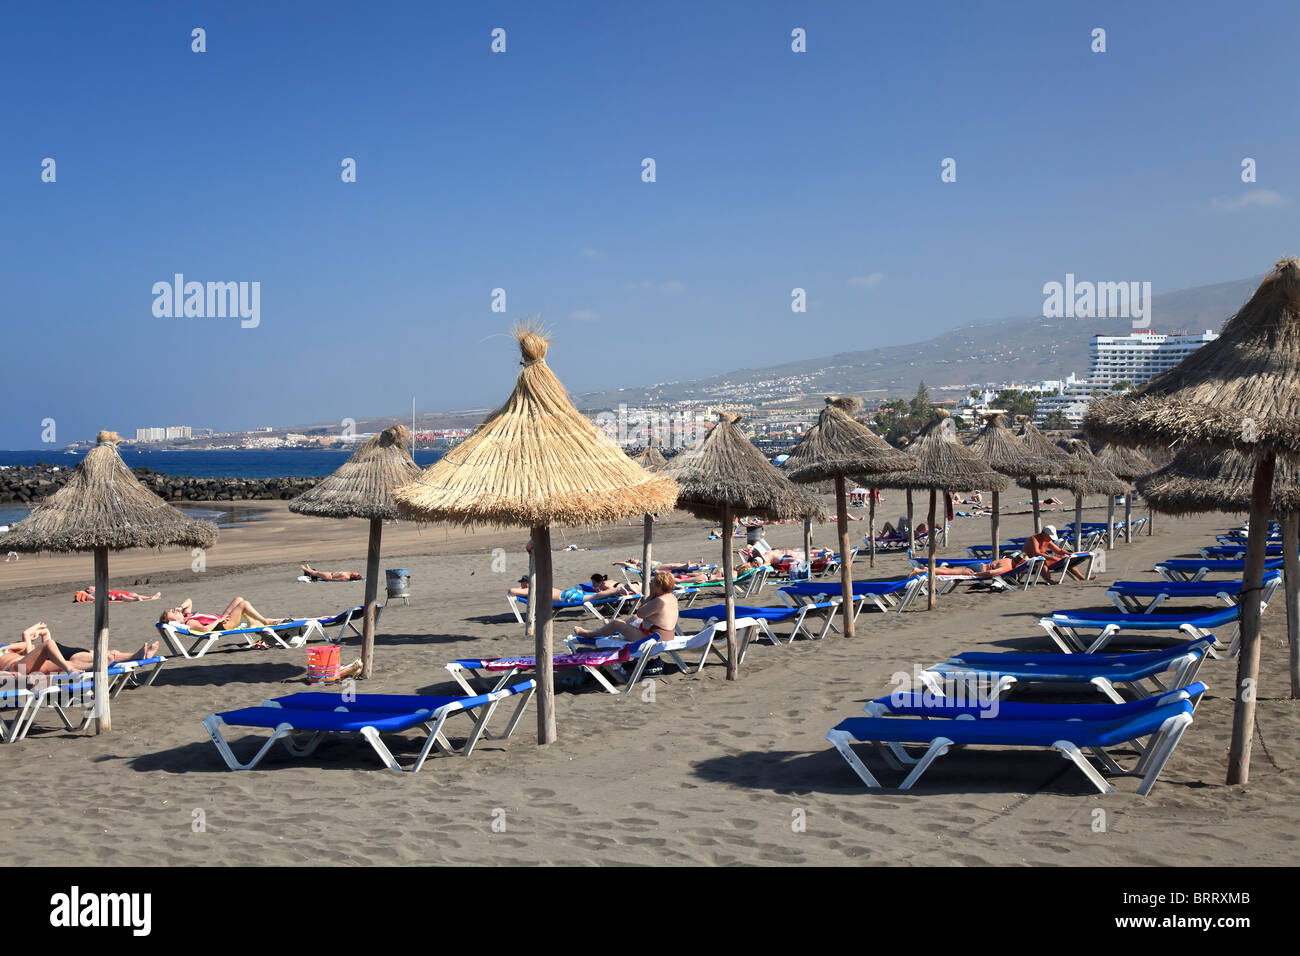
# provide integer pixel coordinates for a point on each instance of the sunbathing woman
(330, 575)
(37, 653)
(603, 589)
(656, 620)
(237, 613)
(993, 569)
(87, 596)
(680, 567)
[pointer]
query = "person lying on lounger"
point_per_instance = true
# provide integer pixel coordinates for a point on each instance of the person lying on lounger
(778, 556)
(1044, 545)
(656, 621)
(889, 532)
(88, 596)
(330, 575)
(679, 567)
(993, 569)
(238, 613)
(37, 653)
(603, 589)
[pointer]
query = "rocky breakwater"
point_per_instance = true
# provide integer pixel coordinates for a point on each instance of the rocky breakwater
(30, 484)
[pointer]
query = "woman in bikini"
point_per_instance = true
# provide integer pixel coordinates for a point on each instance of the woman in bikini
(88, 596)
(238, 613)
(37, 653)
(656, 620)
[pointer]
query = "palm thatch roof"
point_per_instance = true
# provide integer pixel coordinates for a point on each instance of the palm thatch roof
(650, 458)
(1094, 480)
(1128, 464)
(999, 447)
(362, 487)
(103, 505)
(535, 461)
(1041, 446)
(1241, 391)
(943, 462)
(1198, 480)
(726, 468)
(839, 445)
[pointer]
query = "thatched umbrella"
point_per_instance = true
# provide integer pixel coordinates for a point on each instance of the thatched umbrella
(1062, 463)
(1199, 480)
(943, 464)
(1127, 464)
(1005, 453)
(536, 461)
(839, 446)
(725, 474)
(652, 460)
(1240, 392)
(102, 508)
(1092, 480)
(362, 487)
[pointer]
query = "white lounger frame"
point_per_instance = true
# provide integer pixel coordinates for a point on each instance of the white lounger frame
(1132, 603)
(177, 634)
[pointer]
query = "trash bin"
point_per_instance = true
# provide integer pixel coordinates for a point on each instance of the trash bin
(753, 533)
(399, 581)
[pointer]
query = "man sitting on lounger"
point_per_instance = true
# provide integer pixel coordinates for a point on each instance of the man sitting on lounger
(37, 653)
(1044, 545)
(656, 620)
(88, 596)
(993, 569)
(238, 613)
(330, 575)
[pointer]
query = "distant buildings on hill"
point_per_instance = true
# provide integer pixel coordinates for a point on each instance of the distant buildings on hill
(170, 433)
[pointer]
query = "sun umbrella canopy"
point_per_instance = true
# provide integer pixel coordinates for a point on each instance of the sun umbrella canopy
(840, 445)
(362, 487)
(1199, 480)
(943, 462)
(998, 446)
(650, 458)
(536, 461)
(103, 505)
(1093, 480)
(1127, 464)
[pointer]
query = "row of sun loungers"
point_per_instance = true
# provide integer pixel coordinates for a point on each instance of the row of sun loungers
(70, 697)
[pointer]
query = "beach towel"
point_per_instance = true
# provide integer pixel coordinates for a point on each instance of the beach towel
(584, 659)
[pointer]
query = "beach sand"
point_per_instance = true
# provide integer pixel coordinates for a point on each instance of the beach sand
(703, 772)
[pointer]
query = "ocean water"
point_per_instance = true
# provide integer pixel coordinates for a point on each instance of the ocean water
(13, 513)
(278, 463)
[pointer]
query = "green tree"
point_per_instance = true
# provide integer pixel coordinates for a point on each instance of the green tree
(1057, 420)
(921, 403)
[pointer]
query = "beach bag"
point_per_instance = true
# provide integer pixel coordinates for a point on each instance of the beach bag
(323, 663)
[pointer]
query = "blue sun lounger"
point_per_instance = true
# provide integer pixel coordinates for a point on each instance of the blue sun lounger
(613, 604)
(1196, 569)
(16, 702)
(1165, 725)
(913, 704)
(888, 595)
(1238, 551)
(766, 617)
(200, 642)
(1070, 629)
(996, 673)
(1143, 597)
(312, 718)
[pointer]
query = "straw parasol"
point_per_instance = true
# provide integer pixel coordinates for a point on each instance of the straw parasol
(1127, 464)
(1093, 479)
(724, 473)
(1040, 446)
(998, 446)
(652, 460)
(103, 508)
(1240, 392)
(943, 464)
(362, 487)
(839, 446)
(536, 461)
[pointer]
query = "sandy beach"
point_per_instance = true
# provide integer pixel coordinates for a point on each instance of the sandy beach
(701, 771)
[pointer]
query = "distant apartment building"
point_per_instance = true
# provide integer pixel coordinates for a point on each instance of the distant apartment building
(178, 431)
(170, 433)
(1121, 359)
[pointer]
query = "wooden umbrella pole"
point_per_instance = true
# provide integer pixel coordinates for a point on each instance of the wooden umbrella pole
(1038, 511)
(530, 613)
(1110, 522)
(807, 544)
(647, 540)
(103, 719)
(372, 590)
(996, 512)
(733, 665)
(542, 641)
(1078, 522)
(1128, 516)
(871, 523)
(846, 567)
(1291, 572)
(911, 535)
(1151, 521)
(929, 582)
(1252, 580)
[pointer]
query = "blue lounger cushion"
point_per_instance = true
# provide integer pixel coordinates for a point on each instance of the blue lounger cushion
(1082, 662)
(773, 614)
(381, 703)
(1147, 622)
(1220, 565)
(925, 705)
(809, 588)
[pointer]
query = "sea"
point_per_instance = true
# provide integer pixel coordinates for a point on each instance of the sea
(222, 463)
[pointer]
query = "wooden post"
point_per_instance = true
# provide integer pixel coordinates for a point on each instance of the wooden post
(103, 718)
(1128, 516)
(530, 613)
(1291, 573)
(807, 544)
(930, 582)
(1078, 522)
(733, 665)
(911, 534)
(846, 569)
(996, 512)
(1038, 512)
(372, 589)
(1110, 522)
(647, 539)
(1151, 521)
(1252, 578)
(871, 523)
(539, 598)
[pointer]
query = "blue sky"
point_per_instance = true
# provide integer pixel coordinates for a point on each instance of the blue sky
(522, 171)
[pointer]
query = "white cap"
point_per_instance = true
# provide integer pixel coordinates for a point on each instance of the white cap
(1050, 529)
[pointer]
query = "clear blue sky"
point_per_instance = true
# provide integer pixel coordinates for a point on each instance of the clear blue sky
(523, 171)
